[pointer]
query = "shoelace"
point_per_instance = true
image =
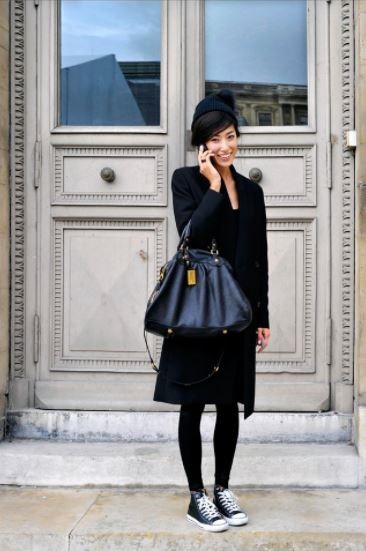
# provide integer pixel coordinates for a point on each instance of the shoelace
(206, 507)
(227, 500)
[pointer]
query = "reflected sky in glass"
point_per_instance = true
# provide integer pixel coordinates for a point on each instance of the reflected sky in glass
(262, 41)
(93, 28)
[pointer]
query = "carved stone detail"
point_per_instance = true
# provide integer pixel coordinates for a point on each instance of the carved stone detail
(307, 153)
(307, 364)
(61, 363)
(158, 197)
(347, 193)
(17, 9)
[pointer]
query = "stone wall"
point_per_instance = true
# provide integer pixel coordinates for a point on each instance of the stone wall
(360, 219)
(4, 208)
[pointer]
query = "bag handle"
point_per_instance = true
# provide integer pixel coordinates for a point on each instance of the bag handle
(157, 370)
(186, 234)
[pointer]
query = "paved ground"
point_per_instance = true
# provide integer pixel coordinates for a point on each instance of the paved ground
(55, 519)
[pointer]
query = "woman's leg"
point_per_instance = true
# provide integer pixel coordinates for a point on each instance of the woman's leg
(225, 439)
(190, 443)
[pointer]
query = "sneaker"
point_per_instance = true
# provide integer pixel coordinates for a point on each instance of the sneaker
(227, 505)
(203, 512)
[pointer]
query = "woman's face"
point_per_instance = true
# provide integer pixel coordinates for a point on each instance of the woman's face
(224, 145)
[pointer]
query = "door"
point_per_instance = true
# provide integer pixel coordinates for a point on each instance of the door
(117, 82)
(108, 135)
(273, 56)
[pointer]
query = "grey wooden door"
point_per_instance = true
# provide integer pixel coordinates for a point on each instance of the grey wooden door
(111, 125)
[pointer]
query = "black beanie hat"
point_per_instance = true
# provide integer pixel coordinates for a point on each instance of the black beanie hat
(222, 101)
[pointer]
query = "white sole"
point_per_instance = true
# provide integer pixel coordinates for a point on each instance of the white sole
(236, 522)
(209, 527)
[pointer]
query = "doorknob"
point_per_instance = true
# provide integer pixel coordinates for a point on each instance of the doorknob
(255, 174)
(108, 174)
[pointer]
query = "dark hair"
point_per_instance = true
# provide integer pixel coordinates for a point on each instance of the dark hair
(209, 124)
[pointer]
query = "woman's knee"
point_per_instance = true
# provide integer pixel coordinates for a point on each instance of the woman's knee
(191, 410)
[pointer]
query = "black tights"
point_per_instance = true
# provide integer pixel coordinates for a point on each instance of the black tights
(224, 440)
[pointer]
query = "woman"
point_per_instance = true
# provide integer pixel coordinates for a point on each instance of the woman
(228, 206)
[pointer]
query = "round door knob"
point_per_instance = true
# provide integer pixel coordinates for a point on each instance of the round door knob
(255, 174)
(108, 174)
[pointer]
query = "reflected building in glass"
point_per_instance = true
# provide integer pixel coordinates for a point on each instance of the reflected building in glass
(267, 104)
(143, 78)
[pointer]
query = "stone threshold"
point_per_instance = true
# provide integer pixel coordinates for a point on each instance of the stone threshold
(54, 463)
(157, 426)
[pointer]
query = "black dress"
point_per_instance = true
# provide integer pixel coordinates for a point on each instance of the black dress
(228, 229)
(223, 387)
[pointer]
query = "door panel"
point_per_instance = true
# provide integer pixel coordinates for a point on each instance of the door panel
(288, 174)
(291, 245)
(104, 271)
(132, 175)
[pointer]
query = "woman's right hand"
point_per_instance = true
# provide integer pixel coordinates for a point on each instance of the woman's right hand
(207, 169)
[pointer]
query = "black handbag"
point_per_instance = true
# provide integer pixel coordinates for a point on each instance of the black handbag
(196, 296)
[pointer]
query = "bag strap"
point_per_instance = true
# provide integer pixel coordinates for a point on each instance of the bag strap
(157, 370)
(185, 237)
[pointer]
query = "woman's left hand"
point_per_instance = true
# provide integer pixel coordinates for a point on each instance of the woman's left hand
(263, 335)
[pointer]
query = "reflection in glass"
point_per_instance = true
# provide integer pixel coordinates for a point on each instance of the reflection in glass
(110, 62)
(258, 49)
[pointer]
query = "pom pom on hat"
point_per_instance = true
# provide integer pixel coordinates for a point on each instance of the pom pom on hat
(227, 96)
(222, 101)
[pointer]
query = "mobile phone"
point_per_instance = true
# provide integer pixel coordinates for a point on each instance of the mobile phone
(205, 148)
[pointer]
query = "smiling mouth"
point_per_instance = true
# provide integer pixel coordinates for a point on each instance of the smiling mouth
(224, 157)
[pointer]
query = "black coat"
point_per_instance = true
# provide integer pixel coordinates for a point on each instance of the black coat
(192, 359)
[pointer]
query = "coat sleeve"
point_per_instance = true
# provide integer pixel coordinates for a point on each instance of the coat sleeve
(263, 316)
(203, 215)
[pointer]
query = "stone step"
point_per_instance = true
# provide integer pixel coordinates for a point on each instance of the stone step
(153, 426)
(45, 463)
(44, 519)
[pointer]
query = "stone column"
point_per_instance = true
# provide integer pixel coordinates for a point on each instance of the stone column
(4, 209)
(360, 227)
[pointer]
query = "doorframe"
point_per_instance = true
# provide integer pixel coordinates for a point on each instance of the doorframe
(23, 225)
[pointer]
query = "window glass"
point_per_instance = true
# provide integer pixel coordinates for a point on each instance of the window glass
(258, 48)
(110, 62)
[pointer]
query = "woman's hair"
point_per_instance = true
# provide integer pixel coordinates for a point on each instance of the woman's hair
(210, 124)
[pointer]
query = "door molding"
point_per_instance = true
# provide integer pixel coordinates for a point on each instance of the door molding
(348, 178)
(17, 119)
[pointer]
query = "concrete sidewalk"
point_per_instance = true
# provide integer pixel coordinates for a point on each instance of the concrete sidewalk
(45, 519)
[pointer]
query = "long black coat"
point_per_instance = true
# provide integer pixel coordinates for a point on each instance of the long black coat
(192, 359)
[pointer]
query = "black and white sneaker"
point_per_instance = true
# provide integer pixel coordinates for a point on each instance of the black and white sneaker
(227, 505)
(203, 512)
